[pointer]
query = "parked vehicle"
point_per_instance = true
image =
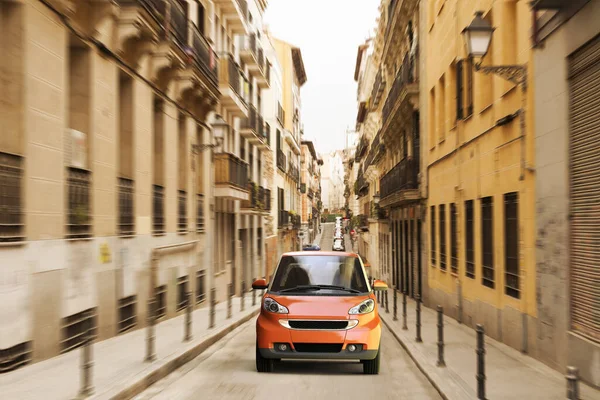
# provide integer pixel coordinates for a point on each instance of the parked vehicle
(319, 305)
(311, 247)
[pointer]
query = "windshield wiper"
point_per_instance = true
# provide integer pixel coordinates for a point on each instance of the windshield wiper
(301, 287)
(319, 287)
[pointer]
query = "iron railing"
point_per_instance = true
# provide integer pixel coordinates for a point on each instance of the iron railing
(402, 177)
(378, 88)
(158, 207)
(199, 213)
(182, 211)
(126, 214)
(243, 8)
(268, 133)
(11, 198)
(205, 57)
(406, 75)
(283, 218)
(252, 121)
(361, 149)
(281, 160)
(230, 170)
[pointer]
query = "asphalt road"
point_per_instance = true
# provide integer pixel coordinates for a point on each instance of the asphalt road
(227, 371)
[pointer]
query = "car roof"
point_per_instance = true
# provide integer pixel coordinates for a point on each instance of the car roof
(320, 253)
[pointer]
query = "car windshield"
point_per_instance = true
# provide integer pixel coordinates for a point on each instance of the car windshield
(297, 271)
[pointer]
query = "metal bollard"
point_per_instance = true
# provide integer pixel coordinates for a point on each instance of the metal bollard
(440, 343)
(572, 383)
(395, 305)
(404, 325)
(86, 389)
(229, 298)
(243, 298)
(188, 317)
(253, 295)
(150, 332)
(480, 350)
(212, 305)
(385, 297)
(418, 337)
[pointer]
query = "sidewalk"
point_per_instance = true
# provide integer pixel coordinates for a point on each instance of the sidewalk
(119, 370)
(509, 374)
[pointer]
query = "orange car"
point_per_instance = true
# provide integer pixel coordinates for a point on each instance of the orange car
(319, 305)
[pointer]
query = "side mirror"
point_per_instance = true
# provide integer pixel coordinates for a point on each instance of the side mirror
(379, 285)
(259, 284)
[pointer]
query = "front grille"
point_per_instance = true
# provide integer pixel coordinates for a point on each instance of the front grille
(318, 325)
(318, 347)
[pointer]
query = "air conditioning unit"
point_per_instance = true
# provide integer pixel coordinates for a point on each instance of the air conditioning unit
(76, 149)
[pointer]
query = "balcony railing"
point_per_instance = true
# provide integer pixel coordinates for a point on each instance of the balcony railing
(230, 170)
(378, 88)
(267, 201)
(281, 160)
(402, 177)
(252, 201)
(375, 152)
(283, 218)
(206, 59)
(361, 148)
(280, 114)
(406, 75)
(243, 7)
(200, 213)
(231, 75)
(268, 133)
(251, 122)
(293, 172)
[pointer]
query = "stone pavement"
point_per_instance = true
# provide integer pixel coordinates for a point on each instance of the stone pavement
(509, 374)
(119, 370)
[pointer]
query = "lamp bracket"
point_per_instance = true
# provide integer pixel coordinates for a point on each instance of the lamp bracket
(516, 74)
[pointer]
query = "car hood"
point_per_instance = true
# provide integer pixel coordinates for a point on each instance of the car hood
(319, 306)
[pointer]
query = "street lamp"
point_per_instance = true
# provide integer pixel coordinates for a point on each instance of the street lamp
(220, 129)
(376, 198)
(478, 36)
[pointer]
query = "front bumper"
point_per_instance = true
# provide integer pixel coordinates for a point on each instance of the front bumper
(367, 334)
(342, 355)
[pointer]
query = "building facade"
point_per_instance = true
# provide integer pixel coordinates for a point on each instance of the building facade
(567, 105)
(136, 163)
(310, 177)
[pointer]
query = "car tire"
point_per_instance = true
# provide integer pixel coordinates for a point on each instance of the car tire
(263, 364)
(371, 367)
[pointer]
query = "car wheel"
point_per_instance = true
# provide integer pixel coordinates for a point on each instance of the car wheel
(263, 364)
(371, 367)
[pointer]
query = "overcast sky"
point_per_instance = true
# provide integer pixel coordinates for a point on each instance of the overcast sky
(328, 33)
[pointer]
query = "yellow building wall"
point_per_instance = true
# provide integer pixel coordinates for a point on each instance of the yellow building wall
(471, 159)
(284, 56)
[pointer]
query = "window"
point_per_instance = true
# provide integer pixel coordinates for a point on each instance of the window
(441, 113)
(443, 237)
(11, 208)
(459, 89)
(432, 118)
(200, 213)
(127, 316)
(126, 220)
(200, 17)
(468, 73)
(76, 328)
(469, 240)
(453, 239)
(487, 241)
(182, 290)
(511, 244)
(78, 224)
(182, 211)
(258, 241)
(161, 302)
(432, 235)
(158, 204)
(200, 286)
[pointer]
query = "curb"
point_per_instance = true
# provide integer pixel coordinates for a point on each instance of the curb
(444, 385)
(178, 361)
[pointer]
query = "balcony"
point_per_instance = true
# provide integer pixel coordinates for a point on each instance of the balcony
(376, 152)
(248, 50)
(361, 186)
(294, 172)
(253, 55)
(259, 201)
(235, 12)
(265, 144)
(231, 177)
(205, 58)
(283, 218)
(400, 184)
(377, 91)
(253, 127)
(231, 87)
(280, 114)
(405, 89)
(361, 149)
(281, 161)
(292, 141)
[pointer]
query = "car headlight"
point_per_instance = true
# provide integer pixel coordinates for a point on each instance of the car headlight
(271, 305)
(365, 307)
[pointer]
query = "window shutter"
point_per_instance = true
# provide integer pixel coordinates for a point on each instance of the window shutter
(459, 90)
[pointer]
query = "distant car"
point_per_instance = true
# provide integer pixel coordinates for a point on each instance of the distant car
(319, 306)
(338, 245)
(311, 247)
